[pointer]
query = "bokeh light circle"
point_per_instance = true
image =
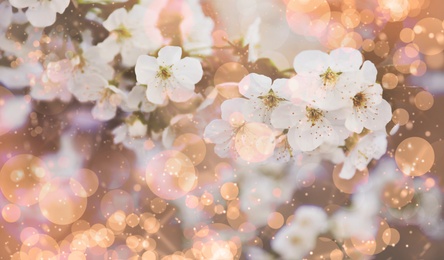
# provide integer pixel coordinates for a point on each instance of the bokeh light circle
(59, 204)
(414, 156)
(193, 146)
(21, 179)
(170, 175)
(429, 36)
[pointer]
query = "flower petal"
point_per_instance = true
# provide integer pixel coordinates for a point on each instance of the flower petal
(146, 69)
(87, 87)
(41, 15)
(188, 72)
(155, 93)
(218, 131)
(313, 61)
(369, 72)
(232, 106)
(286, 115)
(177, 92)
(115, 19)
(345, 59)
(254, 85)
(169, 55)
(59, 5)
(104, 110)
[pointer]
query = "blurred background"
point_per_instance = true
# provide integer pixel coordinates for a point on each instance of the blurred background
(83, 197)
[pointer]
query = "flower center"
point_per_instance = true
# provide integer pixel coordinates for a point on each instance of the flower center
(329, 77)
(294, 240)
(122, 32)
(270, 100)
(359, 100)
(314, 115)
(164, 73)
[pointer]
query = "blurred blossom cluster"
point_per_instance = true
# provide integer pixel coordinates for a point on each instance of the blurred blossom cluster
(207, 129)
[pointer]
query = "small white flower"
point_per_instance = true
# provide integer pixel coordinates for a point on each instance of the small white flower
(263, 96)
(196, 29)
(137, 128)
(222, 131)
(235, 135)
(292, 243)
(309, 127)
(369, 109)
(136, 100)
(109, 99)
(168, 75)
(372, 146)
(53, 82)
(311, 218)
(132, 34)
(41, 13)
(322, 79)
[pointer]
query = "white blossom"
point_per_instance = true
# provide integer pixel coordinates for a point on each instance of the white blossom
(168, 75)
(371, 146)
(263, 96)
(291, 242)
(41, 13)
(196, 29)
(235, 134)
(132, 33)
(369, 109)
(322, 79)
(308, 126)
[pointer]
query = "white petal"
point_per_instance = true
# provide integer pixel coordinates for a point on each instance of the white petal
(254, 85)
(354, 123)
(104, 110)
(6, 14)
(383, 115)
(109, 48)
(130, 53)
(286, 115)
(146, 69)
(59, 5)
(115, 19)
(225, 150)
(218, 131)
(256, 111)
(135, 97)
(155, 94)
(345, 59)
(41, 15)
(188, 72)
(232, 106)
(348, 170)
(281, 88)
(312, 61)
(120, 133)
(23, 3)
(169, 55)
(87, 87)
(369, 72)
(177, 93)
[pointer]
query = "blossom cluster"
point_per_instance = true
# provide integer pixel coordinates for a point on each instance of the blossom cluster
(333, 101)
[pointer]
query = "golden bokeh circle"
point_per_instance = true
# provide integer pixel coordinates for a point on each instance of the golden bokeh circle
(21, 179)
(414, 156)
